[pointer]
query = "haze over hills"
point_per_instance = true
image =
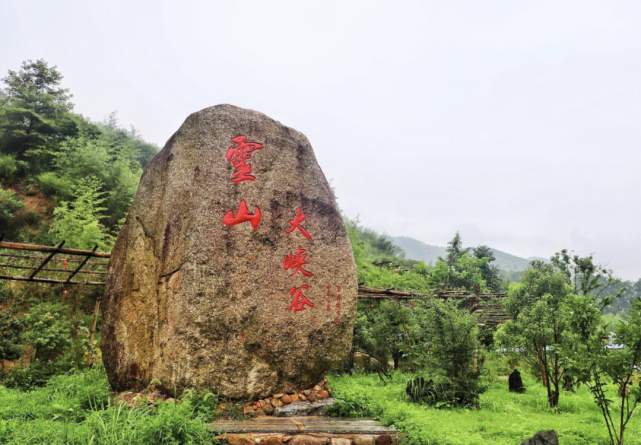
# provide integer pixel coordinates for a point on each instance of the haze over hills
(418, 250)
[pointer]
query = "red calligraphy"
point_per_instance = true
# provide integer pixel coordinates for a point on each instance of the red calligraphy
(338, 306)
(295, 223)
(296, 261)
(243, 215)
(238, 155)
(300, 300)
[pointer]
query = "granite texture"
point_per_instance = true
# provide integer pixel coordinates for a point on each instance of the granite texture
(193, 302)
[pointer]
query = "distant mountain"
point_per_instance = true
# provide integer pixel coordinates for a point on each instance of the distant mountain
(418, 250)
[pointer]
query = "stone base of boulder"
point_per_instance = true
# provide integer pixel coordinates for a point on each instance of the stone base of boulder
(296, 409)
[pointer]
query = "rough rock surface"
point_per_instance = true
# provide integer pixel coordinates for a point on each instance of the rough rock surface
(543, 438)
(295, 409)
(194, 300)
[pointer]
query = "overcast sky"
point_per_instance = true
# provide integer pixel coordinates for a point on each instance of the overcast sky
(517, 123)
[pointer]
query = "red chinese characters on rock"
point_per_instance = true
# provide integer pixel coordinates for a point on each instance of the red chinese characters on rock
(296, 261)
(329, 288)
(238, 156)
(338, 306)
(296, 224)
(300, 301)
(243, 215)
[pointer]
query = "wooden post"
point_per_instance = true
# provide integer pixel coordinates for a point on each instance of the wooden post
(45, 261)
(93, 328)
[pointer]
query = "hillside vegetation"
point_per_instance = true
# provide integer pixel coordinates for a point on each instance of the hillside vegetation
(62, 176)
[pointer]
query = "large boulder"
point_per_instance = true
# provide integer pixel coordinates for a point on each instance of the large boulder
(233, 270)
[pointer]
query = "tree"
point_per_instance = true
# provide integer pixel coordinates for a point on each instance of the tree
(449, 347)
(538, 323)
(36, 114)
(454, 250)
(595, 364)
(489, 272)
(79, 223)
(586, 277)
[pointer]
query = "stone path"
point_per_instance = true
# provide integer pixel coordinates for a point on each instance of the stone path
(302, 425)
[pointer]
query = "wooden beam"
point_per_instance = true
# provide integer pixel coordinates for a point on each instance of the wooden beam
(46, 269)
(385, 297)
(58, 249)
(80, 266)
(55, 260)
(50, 281)
(45, 261)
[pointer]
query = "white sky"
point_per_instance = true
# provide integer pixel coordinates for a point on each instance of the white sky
(516, 122)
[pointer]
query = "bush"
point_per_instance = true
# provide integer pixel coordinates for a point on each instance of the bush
(8, 168)
(52, 185)
(450, 351)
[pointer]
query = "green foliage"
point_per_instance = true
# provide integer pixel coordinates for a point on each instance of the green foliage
(538, 323)
(490, 273)
(48, 330)
(79, 223)
(598, 366)
(504, 418)
(11, 330)
(379, 333)
(9, 205)
(449, 350)
(36, 113)
(43, 142)
(76, 409)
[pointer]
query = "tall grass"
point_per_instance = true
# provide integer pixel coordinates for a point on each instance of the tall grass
(504, 417)
(76, 409)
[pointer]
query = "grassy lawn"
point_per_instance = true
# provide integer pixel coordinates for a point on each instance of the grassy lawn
(75, 409)
(504, 418)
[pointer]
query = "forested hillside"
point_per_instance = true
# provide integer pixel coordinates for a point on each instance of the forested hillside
(418, 250)
(62, 176)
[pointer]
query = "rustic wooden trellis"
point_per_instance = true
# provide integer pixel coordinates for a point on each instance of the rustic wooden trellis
(27, 259)
(35, 264)
(488, 306)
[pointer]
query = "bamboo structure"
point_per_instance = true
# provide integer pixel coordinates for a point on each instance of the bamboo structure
(39, 268)
(488, 306)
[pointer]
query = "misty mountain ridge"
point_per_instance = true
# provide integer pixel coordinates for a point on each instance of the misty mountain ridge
(418, 250)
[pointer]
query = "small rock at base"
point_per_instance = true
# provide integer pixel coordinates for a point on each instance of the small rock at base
(272, 440)
(308, 440)
(278, 396)
(294, 397)
(302, 397)
(276, 403)
(364, 440)
(340, 441)
(286, 399)
(543, 438)
(260, 412)
(306, 392)
(317, 388)
(384, 439)
(235, 439)
(262, 403)
(311, 398)
(268, 409)
(324, 394)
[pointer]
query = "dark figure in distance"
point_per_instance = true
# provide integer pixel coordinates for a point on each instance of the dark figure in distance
(515, 382)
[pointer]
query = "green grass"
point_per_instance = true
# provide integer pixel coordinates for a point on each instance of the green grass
(76, 409)
(504, 418)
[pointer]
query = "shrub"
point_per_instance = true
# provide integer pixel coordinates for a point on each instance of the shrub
(8, 168)
(450, 350)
